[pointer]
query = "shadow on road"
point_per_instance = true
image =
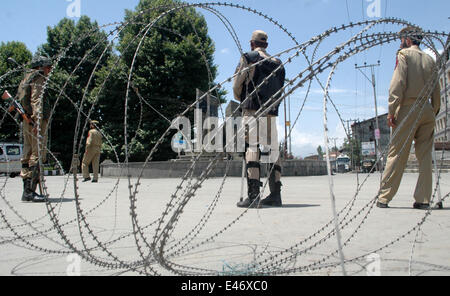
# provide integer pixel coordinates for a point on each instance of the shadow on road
(59, 200)
(298, 206)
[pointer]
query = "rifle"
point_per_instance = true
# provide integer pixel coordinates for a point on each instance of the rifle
(16, 106)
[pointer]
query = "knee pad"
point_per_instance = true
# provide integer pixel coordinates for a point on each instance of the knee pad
(253, 164)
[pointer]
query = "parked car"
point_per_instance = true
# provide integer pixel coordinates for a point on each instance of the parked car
(10, 155)
(367, 164)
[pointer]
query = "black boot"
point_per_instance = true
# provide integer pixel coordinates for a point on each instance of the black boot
(274, 198)
(27, 192)
(421, 206)
(39, 198)
(252, 201)
(34, 182)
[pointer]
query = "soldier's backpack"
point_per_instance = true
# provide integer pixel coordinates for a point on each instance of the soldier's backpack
(266, 90)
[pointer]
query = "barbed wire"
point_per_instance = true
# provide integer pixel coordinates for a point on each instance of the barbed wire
(156, 246)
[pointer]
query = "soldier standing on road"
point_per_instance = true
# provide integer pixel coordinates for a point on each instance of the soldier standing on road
(92, 153)
(413, 71)
(244, 84)
(30, 95)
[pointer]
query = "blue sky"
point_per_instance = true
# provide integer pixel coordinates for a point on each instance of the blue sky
(27, 21)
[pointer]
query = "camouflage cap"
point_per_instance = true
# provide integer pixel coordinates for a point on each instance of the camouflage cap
(259, 36)
(40, 61)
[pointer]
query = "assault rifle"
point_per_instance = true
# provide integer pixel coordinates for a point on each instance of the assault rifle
(16, 106)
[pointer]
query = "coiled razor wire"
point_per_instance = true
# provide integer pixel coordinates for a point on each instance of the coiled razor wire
(156, 245)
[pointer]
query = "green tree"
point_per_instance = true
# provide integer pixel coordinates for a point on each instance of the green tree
(353, 149)
(174, 59)
(19, 52)
(78, 47)
(320, 152)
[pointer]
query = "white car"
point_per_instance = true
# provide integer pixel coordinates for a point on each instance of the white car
(10, 155)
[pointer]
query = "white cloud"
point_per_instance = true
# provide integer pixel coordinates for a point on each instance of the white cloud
(225, 51)
(431, 53)
(366, 110)
(303, 143)
(319, 91)
(382, 110)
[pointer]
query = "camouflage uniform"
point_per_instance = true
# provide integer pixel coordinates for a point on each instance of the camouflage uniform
(30, 95)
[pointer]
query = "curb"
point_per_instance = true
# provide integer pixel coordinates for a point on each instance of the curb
(53, 172)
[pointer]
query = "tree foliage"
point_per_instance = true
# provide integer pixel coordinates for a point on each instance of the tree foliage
(78, 46)
(320, 152)
(9, 130)
(166, 63)
(170, 61)
(352, 148)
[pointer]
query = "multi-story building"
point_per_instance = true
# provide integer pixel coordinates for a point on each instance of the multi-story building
(442, 131)
(364, 132)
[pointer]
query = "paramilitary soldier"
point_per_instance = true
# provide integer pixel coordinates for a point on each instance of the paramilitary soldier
(245, 84)
(31, 96)
(92, 153)
(413, 71)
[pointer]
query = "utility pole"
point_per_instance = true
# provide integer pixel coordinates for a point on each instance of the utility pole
(335, 153)
(290, 126)
(287, 125)
(334, 139)
(377, 130)
(351, 138)
(285, 145)
(350, 132)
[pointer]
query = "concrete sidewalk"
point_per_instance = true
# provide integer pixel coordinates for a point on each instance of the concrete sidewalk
(297, 238)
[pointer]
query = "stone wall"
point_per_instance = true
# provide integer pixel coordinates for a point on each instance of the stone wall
(177, 169)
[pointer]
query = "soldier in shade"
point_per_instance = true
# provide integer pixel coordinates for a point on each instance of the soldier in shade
(31, 96)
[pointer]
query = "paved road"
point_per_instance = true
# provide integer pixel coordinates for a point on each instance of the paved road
(299, 237)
